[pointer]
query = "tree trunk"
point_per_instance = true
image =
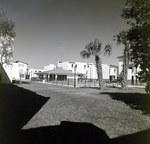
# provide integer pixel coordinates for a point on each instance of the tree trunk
(99, 71)
(125, 68)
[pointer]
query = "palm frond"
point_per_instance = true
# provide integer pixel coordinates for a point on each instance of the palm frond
(99, 49)
(121, 38)
(108, 50)
(85, 54)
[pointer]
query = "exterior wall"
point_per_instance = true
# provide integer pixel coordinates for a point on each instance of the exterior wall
(132, 72)
(87, 69)
(5, 73)
(113, 72)
(105, 71)
(80, 67)
(120, 64)
(91, 71)
(50, 67)
(64, 65)
(32, 72)
(19, 70)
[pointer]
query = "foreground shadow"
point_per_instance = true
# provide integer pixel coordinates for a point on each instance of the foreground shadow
(17, 107)
(142, 137)
(136, 101)
(78, 133)
(65, 133)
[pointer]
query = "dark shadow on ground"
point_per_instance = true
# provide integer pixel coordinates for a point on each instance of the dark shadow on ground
(65, 133)
(136, 101)
(142, 137)
(17, 107)
(78, 133)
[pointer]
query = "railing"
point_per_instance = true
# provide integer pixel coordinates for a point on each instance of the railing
(84, 82)
(78, 82)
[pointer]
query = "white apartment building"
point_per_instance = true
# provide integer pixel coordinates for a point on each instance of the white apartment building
(32, 73)
(132, 76)
(113, 72)
(86, 69)
(20, 70)
(78, 67)
(50, 67)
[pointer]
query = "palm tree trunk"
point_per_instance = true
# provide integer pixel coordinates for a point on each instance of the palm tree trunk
(125, 68)
(99, 71)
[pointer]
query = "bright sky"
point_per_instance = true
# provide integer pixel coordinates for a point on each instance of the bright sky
(52, 30)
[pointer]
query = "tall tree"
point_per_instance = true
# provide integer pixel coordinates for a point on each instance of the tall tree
(137, 14)
(94, 48)
(7, 35)
(121, 38)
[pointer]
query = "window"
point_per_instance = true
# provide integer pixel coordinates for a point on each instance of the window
(21, 65)
(114, 70)
(74, 65)
(21, 73)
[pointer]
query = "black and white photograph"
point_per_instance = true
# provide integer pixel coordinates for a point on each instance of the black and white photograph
(75, 72)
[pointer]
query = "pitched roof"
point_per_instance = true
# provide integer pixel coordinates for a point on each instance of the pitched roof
(21, 62)
(57, 71)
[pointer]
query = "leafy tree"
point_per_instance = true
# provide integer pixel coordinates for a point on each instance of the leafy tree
(94, 48)
(7, 35)
(137, 13)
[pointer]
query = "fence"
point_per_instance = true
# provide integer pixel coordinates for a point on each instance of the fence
(84, 82)
(70, 82)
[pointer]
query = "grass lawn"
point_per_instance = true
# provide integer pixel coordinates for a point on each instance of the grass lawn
(44, 112)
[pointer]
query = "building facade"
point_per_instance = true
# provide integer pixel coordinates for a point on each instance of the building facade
(20, 70)
(33, 73)
(50, 67)
(132, 76)
(113, 72)
(87, 70)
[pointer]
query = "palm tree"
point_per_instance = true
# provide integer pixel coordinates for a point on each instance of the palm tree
(94, 48)
(121, 38)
